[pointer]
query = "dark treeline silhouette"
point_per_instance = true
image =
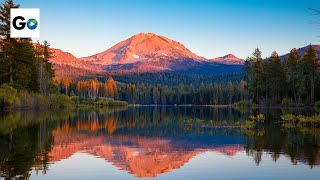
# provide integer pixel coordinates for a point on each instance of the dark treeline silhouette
(173, 79)
(293, 80)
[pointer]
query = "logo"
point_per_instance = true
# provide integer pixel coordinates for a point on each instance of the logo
(32, 24)
(25, 23)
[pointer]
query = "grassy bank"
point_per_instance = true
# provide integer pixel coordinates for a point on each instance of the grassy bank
(303, 121)
(11, 99)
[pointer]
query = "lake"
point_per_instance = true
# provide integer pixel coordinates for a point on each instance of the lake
(155, 142)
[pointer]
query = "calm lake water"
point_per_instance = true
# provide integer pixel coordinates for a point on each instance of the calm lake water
(155, 142)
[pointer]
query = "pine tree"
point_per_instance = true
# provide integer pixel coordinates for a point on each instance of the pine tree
(275, 76)
(248, 75)
(24, 67)
(230, 92)
(216, 93)
(181, 94)
(156, 95)
(7, 45)
(48, 68)
(242, 88)
(259, 75)
(202, 92)
(191, 94)
(311, 65)
(295, 75)
(43, 55)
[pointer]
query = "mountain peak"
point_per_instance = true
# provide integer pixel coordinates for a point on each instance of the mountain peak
(230, 56)
(228, 59)
(148, 34)
(142, 48)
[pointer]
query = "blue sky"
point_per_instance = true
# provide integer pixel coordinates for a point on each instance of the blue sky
(210, 28)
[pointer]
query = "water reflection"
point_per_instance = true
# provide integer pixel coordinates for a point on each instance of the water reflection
(146, 141)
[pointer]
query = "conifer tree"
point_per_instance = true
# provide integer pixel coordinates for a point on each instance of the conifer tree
(295, 75)
(259, 74)
(311, 65)
(276, 76)
(8, 44)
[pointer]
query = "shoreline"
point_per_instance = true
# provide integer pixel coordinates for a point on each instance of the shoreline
(151, 105)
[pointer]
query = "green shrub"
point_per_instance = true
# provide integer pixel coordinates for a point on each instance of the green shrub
(60, 101)
(8, 97)
(258, 118)
(313, 121)
(309, 121)
(242, 103)
(41, 101)
(188, 121)
(33, 100)
(288, 117)
(103, 102)
(76, 99)
(285, 102)
(248, 125)
(26, 99)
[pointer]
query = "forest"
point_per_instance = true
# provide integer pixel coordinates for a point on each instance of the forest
(293, 80)
(210, 94)
(173, 79)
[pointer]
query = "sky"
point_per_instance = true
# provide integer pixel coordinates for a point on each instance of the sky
(209, 28)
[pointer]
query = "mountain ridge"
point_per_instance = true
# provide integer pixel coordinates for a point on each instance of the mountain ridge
(147, 52)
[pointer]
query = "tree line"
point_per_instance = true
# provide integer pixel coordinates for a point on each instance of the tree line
(174, 78)
(289, 80)
(213, 93)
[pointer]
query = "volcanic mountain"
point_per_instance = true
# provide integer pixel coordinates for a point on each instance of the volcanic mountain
(146, 52)
(228, 59)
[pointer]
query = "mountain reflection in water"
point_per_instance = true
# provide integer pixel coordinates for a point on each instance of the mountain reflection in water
(145, 141)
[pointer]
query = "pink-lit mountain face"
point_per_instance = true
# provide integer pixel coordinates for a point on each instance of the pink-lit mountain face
(66, 64)
(146, 52)
(228, 59)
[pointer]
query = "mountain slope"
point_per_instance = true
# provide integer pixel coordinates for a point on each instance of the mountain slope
(66, 64)
(146, 52)
(142, 47)
(228, 59)
(303, 50)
